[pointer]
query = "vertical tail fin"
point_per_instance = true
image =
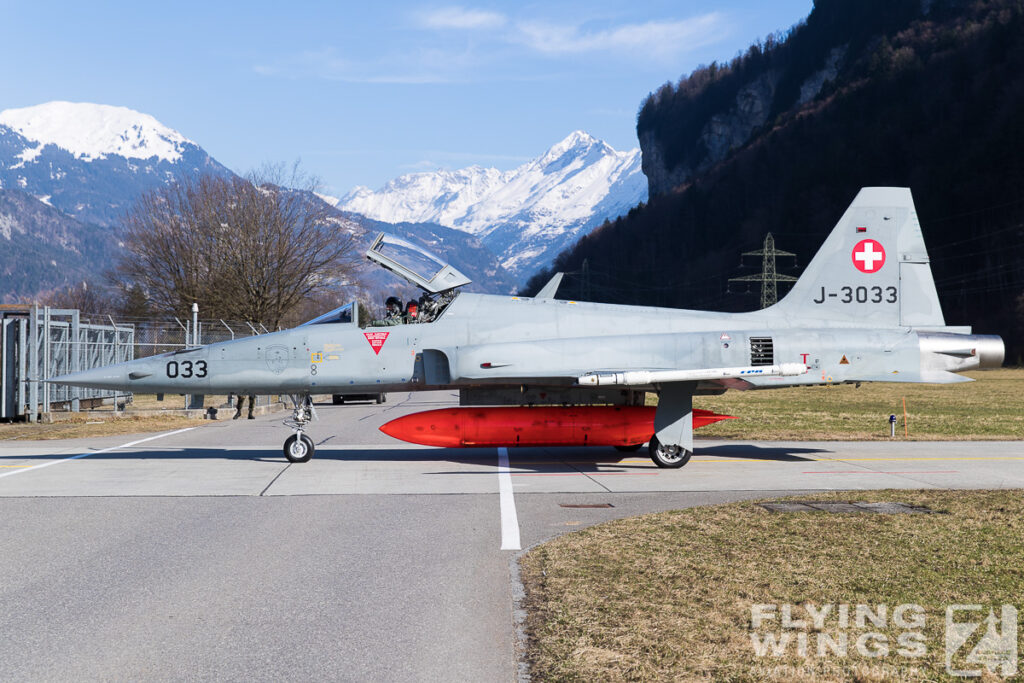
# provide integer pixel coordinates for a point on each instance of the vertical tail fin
(873, 269)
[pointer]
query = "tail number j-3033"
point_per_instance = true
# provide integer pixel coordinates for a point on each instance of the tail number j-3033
(859, 295)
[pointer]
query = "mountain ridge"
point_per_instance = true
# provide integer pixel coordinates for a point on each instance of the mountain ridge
(525, 215)
(65, 188)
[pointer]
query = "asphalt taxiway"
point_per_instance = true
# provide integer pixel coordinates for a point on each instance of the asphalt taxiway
(203, 554)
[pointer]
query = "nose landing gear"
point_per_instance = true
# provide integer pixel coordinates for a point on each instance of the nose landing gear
(298, 447)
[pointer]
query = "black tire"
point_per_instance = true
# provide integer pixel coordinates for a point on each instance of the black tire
(337, 399)
(298, 448)
(664, 457)
(380, 398)
(632, 448)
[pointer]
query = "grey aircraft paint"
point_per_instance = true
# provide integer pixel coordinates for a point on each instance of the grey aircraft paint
(864, 310)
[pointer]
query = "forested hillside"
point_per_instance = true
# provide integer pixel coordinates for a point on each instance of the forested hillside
(924, 95)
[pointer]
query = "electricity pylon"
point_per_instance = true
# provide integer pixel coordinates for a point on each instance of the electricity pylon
(769, 276)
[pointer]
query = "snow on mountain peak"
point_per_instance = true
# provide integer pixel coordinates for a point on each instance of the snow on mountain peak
(93, 131)
(526, 214)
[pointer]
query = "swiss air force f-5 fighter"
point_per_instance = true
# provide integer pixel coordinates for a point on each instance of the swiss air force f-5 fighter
(545, 371)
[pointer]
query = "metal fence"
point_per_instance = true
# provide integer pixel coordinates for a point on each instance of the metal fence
(41, 342)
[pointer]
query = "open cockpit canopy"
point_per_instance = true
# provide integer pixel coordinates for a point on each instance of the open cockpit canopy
(415, 264)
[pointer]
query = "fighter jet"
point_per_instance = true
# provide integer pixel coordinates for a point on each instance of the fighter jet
(549, 371)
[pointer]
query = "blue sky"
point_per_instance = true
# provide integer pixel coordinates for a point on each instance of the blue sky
(364, 93)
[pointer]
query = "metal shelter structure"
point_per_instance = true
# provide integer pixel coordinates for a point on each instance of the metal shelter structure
(40, 342)
(37, 342)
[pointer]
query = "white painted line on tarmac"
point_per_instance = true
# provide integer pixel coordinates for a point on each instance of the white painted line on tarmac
(86, 455)
(509, 519)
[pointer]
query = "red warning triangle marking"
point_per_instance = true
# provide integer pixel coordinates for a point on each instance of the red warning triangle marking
(376, 340)
(844, 361)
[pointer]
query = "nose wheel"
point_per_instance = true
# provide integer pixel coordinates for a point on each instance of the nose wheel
(298, 447)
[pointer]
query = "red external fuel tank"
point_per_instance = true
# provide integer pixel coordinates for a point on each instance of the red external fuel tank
(533, 426)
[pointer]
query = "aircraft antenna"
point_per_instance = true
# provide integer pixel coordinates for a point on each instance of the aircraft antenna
(769, 277)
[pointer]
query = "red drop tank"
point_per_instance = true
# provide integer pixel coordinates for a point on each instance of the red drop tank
(536, 426)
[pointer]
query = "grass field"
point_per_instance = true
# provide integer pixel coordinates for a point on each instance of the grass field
(992, 408)
(670, 596)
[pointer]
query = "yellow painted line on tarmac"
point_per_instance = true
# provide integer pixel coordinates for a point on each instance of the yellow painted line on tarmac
(29, 465)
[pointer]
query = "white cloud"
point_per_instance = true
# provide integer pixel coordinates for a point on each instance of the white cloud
(432, 58)
(661, 39)
(461, 18)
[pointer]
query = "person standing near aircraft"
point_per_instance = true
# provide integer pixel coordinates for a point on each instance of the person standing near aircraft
(238, 407)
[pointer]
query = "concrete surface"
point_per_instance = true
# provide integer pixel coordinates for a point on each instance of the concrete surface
(204, 555)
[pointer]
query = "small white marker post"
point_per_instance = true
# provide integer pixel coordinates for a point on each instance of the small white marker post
(892, 426)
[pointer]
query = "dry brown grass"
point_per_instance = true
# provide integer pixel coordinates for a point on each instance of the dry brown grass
(93, 425)
(669, 596)
(990, 408)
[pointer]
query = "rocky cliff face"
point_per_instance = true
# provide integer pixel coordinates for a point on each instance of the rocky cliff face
(688, 129)
(730, 129)
(724, 132)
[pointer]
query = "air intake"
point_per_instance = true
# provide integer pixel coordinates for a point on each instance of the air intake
(762, 351)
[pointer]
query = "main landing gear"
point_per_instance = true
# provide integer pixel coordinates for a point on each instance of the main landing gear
(668, 455)
(672, 443)
(298, 447)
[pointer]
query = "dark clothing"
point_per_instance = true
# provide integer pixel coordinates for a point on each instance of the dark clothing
(238, 408)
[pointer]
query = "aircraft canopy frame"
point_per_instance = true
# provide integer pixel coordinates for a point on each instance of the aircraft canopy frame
(349, 313)
(415, 264)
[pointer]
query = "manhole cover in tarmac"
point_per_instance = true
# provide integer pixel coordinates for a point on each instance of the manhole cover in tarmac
(884, 508)
(585, 505)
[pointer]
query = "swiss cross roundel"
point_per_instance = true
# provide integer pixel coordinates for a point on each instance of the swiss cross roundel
(868, 256)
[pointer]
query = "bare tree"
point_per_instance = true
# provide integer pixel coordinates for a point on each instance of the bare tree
(85, 296)
(251, 248)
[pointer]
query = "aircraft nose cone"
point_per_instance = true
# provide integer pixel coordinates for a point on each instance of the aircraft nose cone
(110, 377)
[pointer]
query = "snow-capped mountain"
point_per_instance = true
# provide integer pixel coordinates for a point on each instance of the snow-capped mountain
(69, 172)
(92, 161)
(526, 215)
